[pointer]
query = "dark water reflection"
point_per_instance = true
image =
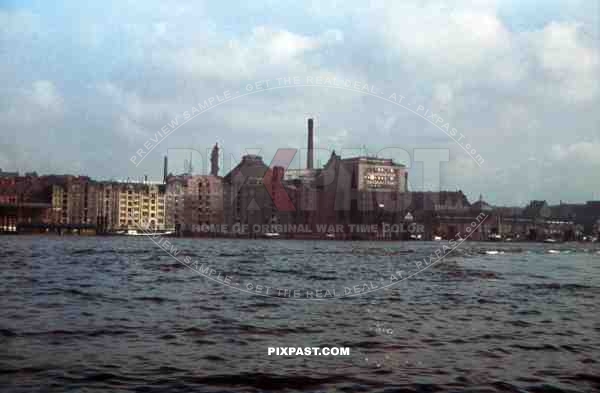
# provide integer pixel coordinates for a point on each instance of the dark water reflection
(118, 314)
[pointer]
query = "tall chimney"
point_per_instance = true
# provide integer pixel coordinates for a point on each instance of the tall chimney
(309, 154)
(165, 170)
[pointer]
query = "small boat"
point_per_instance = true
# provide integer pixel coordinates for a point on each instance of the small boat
(133, 232)
(492, 252)
(271, 235)
(550, 240)
(330, 236)
(437, 238)
(553, 252)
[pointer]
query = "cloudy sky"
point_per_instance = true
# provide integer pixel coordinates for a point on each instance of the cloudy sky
(83, 87)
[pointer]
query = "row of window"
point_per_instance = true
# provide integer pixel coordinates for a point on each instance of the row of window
(130, 222)
(9, 199)
(381, 170)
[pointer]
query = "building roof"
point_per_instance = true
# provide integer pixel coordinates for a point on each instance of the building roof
(8, 174)
(482, 206)
(430, 200)
(250, 166)
(537, 209)
(372, 160)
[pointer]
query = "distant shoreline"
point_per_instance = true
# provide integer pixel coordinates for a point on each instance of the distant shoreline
(282, 237)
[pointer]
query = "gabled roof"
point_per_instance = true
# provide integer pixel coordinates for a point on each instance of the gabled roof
(537, 209)
(250, 166)
(428, 200)
(482, 206)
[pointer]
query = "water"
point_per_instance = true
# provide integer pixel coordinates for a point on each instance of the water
(120, 315)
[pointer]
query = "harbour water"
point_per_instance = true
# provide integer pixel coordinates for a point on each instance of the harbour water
(121, 315)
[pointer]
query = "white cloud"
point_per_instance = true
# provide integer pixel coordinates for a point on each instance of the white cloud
(580, 153)
(244, 58)
(444, 37)
(571, 67)
(45, 95)
(132, 111)
(469, 45)
(511, 92)
(38, 104)
(281, 46)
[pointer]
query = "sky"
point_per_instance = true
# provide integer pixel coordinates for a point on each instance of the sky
(85, 84)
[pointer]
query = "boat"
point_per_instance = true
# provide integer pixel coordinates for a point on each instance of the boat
(553, 252)
(437, 238)
(550, 240)
(133, 232)
(271, 235)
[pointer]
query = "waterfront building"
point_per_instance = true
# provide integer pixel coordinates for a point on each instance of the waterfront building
(361, 190)
(194, 201)
(346, 192)
(203, 203)
(8, 202)
(443, 214)
(246, 200)
(176, 190)
(74, 200)
(24, 200)
(107, 206)
(356, 190)
(142, 205)
(8, 190)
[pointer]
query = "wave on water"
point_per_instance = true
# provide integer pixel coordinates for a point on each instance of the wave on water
(120, 315)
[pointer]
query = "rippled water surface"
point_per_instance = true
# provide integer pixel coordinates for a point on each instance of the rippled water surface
(120, 315)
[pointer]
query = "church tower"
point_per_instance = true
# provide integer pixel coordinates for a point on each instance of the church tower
(214, 161)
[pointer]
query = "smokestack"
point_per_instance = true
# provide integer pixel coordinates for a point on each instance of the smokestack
(309, 154)
(165, 170)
